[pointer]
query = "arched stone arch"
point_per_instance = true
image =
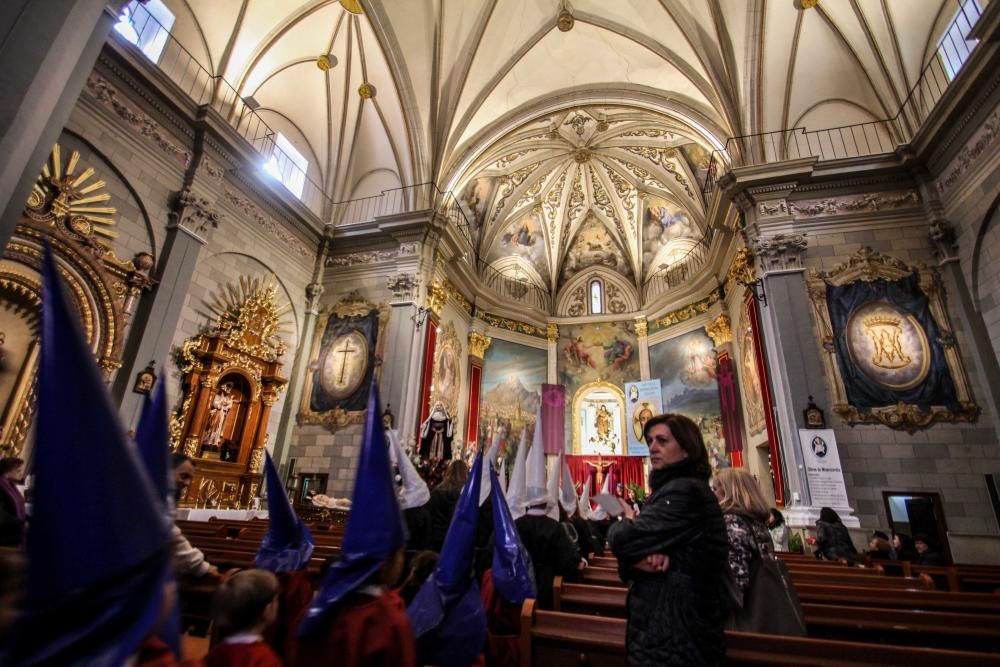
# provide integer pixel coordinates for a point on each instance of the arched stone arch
(620, 296)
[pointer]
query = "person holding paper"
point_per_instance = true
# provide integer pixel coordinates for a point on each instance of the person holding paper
(674, 555)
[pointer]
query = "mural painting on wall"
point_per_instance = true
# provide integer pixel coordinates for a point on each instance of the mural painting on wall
(343, 362)
(513, 375)
(522, 238)
(749, 375)
(686, 368)
(698, 159)
(446, 382)
(594, 245)
(667, 234)
(476, 200)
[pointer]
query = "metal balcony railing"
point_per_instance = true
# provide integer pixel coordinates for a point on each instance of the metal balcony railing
(860, 139)
(681, 270)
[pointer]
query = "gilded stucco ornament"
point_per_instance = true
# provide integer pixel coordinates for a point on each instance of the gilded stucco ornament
(478, 344)
(720, 331)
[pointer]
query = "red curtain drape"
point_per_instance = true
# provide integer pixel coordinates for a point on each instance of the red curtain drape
(624, 469)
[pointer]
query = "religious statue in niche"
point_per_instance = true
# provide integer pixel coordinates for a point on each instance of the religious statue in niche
(888, 345)
(344, 362)
(231, 379)
(222, 403)
(436, 433)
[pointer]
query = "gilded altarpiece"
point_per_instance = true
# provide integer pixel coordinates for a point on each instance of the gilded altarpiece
(231, 378)
(888, 344)
(343, 363)
(69, 208)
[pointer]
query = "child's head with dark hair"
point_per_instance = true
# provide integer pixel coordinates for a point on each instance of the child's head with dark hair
(246, 602)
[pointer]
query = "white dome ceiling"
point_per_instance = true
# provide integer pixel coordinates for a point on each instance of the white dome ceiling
(453, 77)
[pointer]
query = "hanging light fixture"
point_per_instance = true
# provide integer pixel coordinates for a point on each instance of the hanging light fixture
(565, 20)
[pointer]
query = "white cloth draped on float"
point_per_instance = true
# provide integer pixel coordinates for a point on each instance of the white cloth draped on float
(414, 492)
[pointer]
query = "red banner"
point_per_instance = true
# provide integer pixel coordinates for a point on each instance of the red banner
(472, 428)
(425, 383)
(554, 418)
(732, 428)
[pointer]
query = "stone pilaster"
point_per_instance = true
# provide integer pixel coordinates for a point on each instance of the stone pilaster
(642, 333)
(552, 334)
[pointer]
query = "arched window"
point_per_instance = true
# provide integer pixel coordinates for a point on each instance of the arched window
(596, 297)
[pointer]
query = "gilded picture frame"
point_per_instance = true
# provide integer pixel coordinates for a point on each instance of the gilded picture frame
(354, 305)
(890, 346)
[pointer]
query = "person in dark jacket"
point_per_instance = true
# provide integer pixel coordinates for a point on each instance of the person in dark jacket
(674, 555)
(552, 552)
(929, 554)
(444, 497)
(902, 544)
(833, 542)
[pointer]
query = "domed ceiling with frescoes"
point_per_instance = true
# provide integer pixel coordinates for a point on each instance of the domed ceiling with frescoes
(611, 187)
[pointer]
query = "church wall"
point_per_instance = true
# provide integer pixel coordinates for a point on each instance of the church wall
(969, 188)
(946, 458)
(314, 448)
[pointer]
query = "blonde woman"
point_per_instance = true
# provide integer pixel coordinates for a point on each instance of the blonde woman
(745, 511)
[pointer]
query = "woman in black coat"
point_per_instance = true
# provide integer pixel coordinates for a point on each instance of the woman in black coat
(674, 554)
(833, 542)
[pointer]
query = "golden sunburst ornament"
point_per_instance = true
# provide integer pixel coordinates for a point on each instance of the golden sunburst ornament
(64, 196)
(248, 314)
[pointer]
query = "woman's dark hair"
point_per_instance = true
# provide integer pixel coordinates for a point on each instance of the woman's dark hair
(828, 515)
(455, 478)
(9, 464)
(688, 436)
(779, 518)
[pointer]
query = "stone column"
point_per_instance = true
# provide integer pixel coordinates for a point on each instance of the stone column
(158, 315)
(642, 333)
(793, 360)
(552, 334)
(47, 50)
(401, 363)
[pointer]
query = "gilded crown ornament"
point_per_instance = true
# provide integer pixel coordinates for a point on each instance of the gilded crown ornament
(248, 314)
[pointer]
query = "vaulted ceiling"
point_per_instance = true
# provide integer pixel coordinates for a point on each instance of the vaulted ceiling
(461, 85)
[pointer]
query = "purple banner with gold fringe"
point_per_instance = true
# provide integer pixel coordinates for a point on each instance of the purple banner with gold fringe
(553, 418)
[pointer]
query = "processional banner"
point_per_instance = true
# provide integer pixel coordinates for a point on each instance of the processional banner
(643, 400)
(554, 418)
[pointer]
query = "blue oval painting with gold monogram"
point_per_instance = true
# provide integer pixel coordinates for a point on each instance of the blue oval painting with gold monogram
(888, 345)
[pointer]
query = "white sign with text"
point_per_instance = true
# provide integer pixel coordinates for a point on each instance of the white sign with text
(823, 471)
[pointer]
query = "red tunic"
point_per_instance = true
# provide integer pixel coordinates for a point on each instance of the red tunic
(365, 631)
(294, 598)
(257, 654)
(154, 653)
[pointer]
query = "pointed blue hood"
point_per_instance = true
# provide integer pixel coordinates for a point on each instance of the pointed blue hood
(447, 613)
(288, 544)
(375, 525)
(98, 548)
(152, 437)
(513, 572)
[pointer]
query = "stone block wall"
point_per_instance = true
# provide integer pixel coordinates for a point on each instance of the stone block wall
(949, 459)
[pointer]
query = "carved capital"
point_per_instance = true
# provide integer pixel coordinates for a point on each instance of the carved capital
(719, 330)
(641, 326)
(196, 213)
(552, 332)
(403, 285)
(942, 235)
(478, 344)
(781, 252)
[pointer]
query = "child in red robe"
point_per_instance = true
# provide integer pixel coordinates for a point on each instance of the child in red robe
(243, 608)
(368, 628)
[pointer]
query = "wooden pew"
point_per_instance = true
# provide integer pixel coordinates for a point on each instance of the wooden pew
(555, 639)
(912, 599)
(913, 627)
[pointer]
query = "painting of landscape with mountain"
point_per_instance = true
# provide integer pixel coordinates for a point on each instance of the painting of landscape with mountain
(511, 389)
